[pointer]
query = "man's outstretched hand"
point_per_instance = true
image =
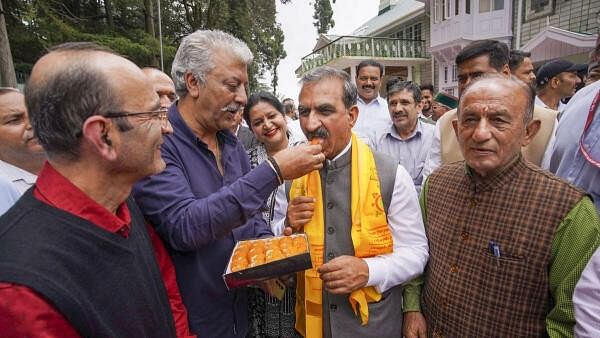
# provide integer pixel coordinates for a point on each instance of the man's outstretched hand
(299, 160)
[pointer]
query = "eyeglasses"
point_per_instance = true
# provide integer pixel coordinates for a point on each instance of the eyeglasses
(160, 114)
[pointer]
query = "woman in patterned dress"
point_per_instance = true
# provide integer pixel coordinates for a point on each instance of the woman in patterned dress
(264, 115)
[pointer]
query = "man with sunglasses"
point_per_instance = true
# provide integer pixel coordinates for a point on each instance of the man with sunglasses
(76, 256)
(576, 156)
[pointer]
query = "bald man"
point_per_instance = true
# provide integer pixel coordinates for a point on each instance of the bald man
(163, 86)
(508, 240)
(77, 258)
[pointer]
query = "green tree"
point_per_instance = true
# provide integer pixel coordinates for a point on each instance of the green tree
(127, 26)
(7, 71)
(323, 16)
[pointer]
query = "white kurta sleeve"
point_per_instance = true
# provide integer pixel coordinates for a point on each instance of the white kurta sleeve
(586, 299)
(411, 250)
(434, 156)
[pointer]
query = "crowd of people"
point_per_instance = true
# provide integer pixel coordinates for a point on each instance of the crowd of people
(123, 192)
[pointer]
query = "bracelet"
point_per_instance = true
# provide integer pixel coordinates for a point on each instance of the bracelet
(276, 168)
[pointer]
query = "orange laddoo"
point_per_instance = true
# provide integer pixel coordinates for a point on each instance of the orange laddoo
(300, 243)
(255, 251)
(256, 260)
(285, 241)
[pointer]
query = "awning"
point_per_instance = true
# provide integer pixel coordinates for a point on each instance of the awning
(553, 43)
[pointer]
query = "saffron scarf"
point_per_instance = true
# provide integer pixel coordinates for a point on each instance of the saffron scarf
(370, 237)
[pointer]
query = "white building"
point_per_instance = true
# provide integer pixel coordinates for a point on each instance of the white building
(549, 29)
(419, 40)
(398, 38)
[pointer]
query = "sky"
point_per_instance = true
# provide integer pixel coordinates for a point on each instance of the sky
(300, 35)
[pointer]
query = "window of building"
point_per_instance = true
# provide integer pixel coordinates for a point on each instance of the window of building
(417, 32)
(413, 32)
(446, 74)
(456, 6)
(468, 7)
(439, 11)
(447, 11)
(484, 6)
(538, 9)
(454, 73)
(490, 5)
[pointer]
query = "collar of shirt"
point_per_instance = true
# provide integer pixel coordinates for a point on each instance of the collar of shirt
(56, 190)
(182, 128)
(375, 101)
(14, 173)
(539, 102)
(417, 132)
(504, 175)
(345, 150)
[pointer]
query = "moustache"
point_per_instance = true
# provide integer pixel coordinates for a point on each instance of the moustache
(368, 87)
(321, 132)
(232, 107)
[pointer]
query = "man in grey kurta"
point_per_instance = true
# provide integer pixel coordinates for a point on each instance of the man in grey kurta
(327, 111)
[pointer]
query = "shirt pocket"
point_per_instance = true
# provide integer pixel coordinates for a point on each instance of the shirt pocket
(502, 275)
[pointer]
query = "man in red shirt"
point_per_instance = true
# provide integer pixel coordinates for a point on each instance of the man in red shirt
(76, 257)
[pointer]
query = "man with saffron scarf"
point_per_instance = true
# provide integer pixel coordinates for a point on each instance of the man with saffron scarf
(362, 218)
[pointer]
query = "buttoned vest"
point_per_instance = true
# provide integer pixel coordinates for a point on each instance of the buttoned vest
(533, 152)
(472, 291)
(339, 320)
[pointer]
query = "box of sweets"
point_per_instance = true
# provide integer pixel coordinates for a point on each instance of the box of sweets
(262, 259)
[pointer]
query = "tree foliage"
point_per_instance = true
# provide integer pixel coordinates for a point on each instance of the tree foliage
(323, 16)
(130, 28)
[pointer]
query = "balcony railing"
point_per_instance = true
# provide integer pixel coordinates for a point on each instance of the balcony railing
(364, 46)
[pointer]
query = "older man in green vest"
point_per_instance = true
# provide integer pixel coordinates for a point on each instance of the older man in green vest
(508, 241)
(477, 58)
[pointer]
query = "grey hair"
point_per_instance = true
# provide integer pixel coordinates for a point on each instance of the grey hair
(396, 84)
(195, 55)
(59, 106)
(322, 73)
(527, 89)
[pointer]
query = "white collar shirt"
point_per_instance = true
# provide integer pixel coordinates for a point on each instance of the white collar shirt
(21, 179)
(373, 118)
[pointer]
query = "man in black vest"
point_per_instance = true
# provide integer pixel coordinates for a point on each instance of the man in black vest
(361, 215)
(76, 257)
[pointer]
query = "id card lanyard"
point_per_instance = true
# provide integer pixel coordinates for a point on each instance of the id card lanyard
(588, 122)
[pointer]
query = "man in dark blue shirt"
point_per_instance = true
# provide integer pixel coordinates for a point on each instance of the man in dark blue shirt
(207, 198)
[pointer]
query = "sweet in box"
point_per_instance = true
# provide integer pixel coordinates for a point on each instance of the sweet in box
(261, 259)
